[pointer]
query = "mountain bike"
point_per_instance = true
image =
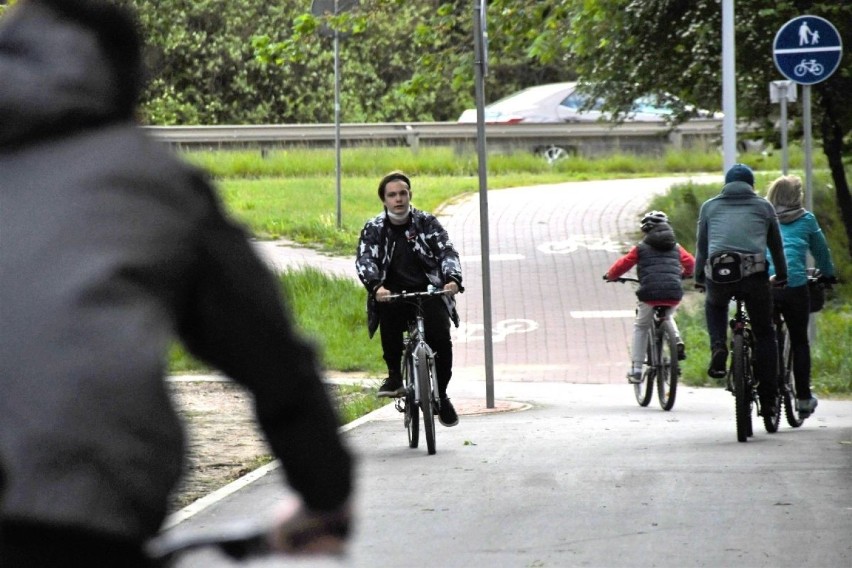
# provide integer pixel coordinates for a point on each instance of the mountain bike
(740, 377)
(661, 362)
(419, 381)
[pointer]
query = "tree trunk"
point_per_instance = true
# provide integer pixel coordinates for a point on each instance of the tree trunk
(832, 146)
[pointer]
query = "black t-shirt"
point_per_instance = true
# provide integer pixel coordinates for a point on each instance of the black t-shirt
(405, 271)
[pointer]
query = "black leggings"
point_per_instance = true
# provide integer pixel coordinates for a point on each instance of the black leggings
(794, 305)
(393, 321)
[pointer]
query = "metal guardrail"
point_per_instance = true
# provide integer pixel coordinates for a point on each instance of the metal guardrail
(434, 133)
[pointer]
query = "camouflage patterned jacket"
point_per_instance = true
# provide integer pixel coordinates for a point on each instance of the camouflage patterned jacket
(430, 242)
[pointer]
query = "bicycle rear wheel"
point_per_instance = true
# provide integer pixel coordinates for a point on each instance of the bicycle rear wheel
(786, 379)
(669, 367)
(742, 390)
(424, 381)
(645, 389)
(412, 413)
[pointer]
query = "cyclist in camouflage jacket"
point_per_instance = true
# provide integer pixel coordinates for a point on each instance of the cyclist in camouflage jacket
(404, 248)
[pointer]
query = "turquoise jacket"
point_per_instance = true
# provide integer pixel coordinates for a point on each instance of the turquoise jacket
(737, 219)
(800, 236)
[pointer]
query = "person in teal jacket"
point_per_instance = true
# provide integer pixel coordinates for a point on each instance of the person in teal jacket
(801, 234)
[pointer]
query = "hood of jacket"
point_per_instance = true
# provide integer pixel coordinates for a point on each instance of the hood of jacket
(737, 190)
(65, 65)
(661, 237)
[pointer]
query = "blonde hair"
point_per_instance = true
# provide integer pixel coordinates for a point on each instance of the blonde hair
(785, 191)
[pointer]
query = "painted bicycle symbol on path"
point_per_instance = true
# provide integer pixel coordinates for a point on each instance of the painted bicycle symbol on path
(468, 332)
(576, 242)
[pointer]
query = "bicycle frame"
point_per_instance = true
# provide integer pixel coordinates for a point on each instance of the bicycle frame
(419, 376)
(419, 352)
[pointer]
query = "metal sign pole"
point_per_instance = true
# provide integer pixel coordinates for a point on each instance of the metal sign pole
(480, 70)
(806, 125)
(729, 94)
(785, 162)
(783, 92)
(337, 120)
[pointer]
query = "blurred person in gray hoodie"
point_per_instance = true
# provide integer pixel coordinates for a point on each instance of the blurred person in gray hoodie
(110, 249)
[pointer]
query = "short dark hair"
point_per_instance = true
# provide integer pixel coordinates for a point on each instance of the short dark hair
(393, 176)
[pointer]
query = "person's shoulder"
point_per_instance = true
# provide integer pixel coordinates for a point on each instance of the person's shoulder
(375, 223)
(129, 148)
(421, 214)
(809, 220)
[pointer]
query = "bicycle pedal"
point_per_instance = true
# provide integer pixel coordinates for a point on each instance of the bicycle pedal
(399, 404)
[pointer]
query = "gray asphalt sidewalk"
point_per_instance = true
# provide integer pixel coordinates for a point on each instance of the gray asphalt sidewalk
(580, 475)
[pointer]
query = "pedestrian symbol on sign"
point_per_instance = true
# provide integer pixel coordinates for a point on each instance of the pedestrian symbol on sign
(805, 32)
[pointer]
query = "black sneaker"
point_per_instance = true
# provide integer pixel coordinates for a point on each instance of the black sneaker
(718, 361)
(447, 415)
(768, 409)
(392, 388)
(681, 351)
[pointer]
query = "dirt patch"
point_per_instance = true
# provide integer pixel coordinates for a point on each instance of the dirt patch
(224, 442)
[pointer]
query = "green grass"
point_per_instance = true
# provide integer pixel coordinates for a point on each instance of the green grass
(355, 401)
(331, 310)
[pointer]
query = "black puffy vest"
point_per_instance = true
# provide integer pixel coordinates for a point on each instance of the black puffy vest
(659, 267)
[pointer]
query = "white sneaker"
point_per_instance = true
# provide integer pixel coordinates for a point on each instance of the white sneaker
(634, 375)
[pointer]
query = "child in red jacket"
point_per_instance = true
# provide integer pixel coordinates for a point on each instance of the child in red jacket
(661, 264)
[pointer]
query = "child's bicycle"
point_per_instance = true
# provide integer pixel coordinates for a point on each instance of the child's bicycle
(661, 362)
(419, 380)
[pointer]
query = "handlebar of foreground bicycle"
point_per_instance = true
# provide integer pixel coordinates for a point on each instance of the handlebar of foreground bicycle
(241, 540)
(238, 541)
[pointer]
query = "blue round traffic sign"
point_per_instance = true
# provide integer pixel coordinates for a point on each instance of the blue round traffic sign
(807, 49)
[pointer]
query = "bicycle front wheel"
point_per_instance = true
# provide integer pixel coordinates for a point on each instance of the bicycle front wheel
(645, 388)
(668, 365)
(786, 379)
(742, 390)
(412, 413)
(424, 382)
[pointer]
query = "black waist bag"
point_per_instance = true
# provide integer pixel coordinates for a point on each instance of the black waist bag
(725, 267)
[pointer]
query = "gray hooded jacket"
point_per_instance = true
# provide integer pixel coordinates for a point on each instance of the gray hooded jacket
(110, 248)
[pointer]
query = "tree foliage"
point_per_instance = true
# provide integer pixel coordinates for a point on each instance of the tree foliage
(625, 48)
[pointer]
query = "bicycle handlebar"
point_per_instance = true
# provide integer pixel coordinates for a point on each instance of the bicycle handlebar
(621, 279)
(243, 539)
(431, 292)
(238, 540)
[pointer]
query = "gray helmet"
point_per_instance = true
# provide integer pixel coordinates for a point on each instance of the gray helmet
(651, 219)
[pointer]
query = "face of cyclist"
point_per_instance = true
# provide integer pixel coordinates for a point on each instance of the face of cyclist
(397, 197)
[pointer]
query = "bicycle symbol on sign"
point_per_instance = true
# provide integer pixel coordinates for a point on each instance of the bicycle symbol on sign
(806, 66)
(468, 332)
